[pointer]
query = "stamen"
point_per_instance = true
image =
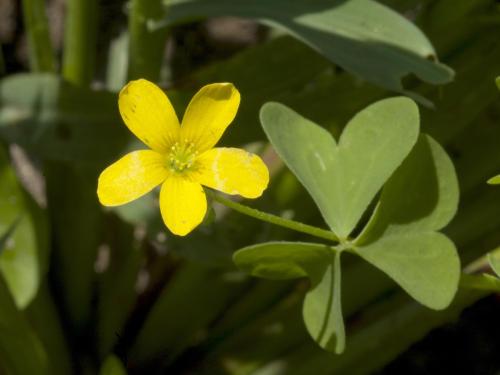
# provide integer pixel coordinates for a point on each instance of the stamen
(182, 156)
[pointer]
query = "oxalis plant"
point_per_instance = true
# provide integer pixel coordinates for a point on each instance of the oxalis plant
(380, 150)
(316, 152)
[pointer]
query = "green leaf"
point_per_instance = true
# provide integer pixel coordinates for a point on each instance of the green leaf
(44, 318)
(425, 265)
(20, 262)
(59, 121)
(321, 263)
(21, 351)
(323, 308)
(494, 261)
(344, 179)
(75, 213)
(421, 197)
(24, 248)
(6, 236)
(485, 282)
(497, 81)
(112, 366)
(283, 260)
(494, 180)
(295, 76)
(116, 294)
(391, 46)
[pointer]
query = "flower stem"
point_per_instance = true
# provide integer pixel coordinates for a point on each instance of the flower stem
(277, 220)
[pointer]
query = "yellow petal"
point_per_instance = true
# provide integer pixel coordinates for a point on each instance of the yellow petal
(183, 204)
(233, 171)
(132, 176)
(209, 113)
(148, 113)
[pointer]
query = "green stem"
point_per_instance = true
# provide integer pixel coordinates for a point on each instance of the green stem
(480, 282)
(277, 220)
(146, 46)
(80, 41)
(41, 53)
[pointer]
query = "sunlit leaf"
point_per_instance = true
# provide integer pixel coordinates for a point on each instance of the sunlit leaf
(344, 179)
(494, 261)
(480, 282)
(7, 235)
(23, 251)
(420, 198)
(494, 180)
(426, 265)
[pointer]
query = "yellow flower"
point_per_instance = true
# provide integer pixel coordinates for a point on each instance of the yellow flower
(182, 157)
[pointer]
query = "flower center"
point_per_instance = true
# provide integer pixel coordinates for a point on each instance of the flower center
(182, 156)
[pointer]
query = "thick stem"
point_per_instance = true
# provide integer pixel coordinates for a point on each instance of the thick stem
(146, 46)
(41, 53)
(277, 220)
(80, 41)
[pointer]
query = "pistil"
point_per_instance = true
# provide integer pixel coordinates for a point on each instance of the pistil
(182, 156)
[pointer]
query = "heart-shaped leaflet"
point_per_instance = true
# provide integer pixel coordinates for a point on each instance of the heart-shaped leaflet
(343, 179)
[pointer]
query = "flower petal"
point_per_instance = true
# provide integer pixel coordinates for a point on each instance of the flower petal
(233, 171)
(148, 114)
(132, 176)
(183, 204)
(209, 113)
